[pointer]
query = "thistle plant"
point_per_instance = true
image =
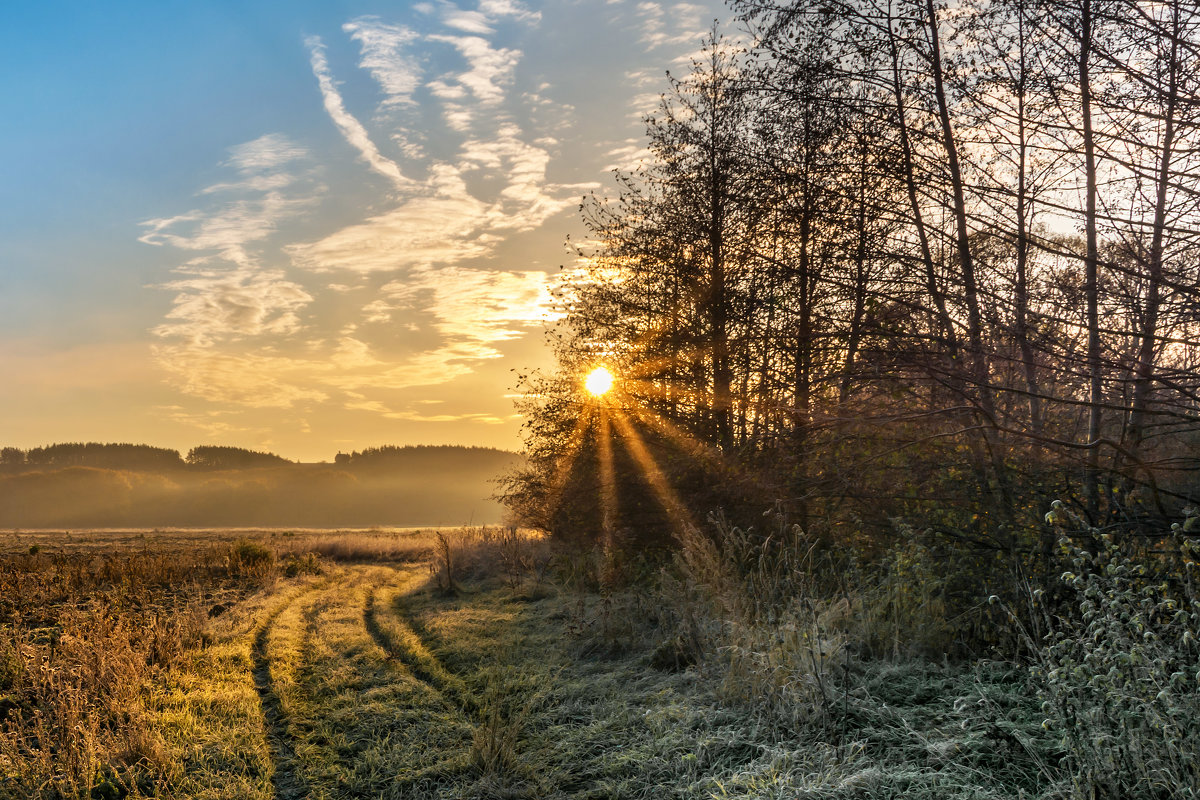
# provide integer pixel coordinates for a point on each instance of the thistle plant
(1120, 676)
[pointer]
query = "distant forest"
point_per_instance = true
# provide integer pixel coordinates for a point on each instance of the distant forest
(133, 456)
(118, 485)
(148, 457)
(391, 456)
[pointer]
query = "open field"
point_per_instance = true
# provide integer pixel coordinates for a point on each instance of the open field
(370, 542)
(244, 670)
(456, 664)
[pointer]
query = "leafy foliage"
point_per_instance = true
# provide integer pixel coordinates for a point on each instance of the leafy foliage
(1120, 677)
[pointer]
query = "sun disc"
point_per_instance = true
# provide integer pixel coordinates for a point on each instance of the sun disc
(598, 381)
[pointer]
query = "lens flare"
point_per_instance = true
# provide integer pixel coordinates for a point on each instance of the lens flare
(598, 381)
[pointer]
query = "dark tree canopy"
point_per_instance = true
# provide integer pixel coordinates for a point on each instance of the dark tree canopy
(218, 457)
(111, 456)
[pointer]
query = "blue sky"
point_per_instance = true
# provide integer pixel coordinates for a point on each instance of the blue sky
(302, 226)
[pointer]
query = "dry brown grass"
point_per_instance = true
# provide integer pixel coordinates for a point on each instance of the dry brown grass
(519, 556)
(90, 621)
(404, 546)
(82, 637)
(103, 541)
(82, 634)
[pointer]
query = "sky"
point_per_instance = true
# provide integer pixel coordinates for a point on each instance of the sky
(303, 226)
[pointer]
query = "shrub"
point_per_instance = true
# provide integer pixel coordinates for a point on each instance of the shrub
(302, 564)
(1119, 677)
(250, 559)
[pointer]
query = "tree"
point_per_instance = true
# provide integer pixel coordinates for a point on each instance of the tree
(903, 261)
(218, 457)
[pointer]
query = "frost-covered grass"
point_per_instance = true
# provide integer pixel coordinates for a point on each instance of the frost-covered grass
(499, 668)
(597, 720)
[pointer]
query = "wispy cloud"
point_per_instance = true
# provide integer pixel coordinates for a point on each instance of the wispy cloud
(628, 156)
(258, 201)
(449, 224)
(475, 308)
(359, 402)
(440, 228)
(212, 422)
(347, 123)
(227, 230)
(412, 293)
(464, 20)
(672, 25)
(231, 378)
(214, 304)
(386, 55)
(509, 8)
(490, 69)
(430, 368)
(482, 19)
(265, 154)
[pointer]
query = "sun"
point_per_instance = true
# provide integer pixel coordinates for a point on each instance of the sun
(598, 381)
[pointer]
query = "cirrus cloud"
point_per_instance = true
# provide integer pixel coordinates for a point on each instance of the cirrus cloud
(414, 287)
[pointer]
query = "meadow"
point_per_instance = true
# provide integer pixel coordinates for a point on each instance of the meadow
(493, 663)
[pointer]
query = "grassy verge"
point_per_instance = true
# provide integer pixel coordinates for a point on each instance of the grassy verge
(586, 715)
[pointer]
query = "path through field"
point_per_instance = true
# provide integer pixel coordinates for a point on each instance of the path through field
(367, 682)
(354, 702)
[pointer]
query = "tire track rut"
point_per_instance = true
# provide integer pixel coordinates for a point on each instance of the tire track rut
(286, 781)
(420, 661)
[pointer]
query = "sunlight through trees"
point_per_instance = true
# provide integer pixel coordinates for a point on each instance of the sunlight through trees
(897, 261)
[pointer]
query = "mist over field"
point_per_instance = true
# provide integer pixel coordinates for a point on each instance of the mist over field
(396, 487)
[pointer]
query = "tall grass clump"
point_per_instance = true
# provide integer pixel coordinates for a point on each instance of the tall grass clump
(444, 563)
(1120, 667)
(513, 555)
(747, 606)
(404, 546)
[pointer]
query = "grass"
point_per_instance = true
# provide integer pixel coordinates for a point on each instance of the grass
(609, 725)
(365, 543)
(481, 664)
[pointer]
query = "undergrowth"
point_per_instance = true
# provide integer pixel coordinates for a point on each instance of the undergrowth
(1119, 672)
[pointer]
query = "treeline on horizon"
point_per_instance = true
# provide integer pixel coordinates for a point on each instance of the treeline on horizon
(148, 457)
(907, 274)
(124, 485)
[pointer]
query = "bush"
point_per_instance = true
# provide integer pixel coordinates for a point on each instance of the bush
(301, 564)
(1119, 678)
(248, 558)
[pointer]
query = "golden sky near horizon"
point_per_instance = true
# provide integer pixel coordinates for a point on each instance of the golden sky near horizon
(299, 228)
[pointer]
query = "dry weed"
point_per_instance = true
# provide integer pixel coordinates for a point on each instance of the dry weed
(85, 636)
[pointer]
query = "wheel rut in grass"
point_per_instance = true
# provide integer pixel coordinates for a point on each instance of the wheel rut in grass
(400, 641)
(309, 652)
(286, 781)
(495, 755)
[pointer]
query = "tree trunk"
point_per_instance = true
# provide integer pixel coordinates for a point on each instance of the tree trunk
(1091, 482)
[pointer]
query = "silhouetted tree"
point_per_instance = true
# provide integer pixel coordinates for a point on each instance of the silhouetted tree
(220, 457)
